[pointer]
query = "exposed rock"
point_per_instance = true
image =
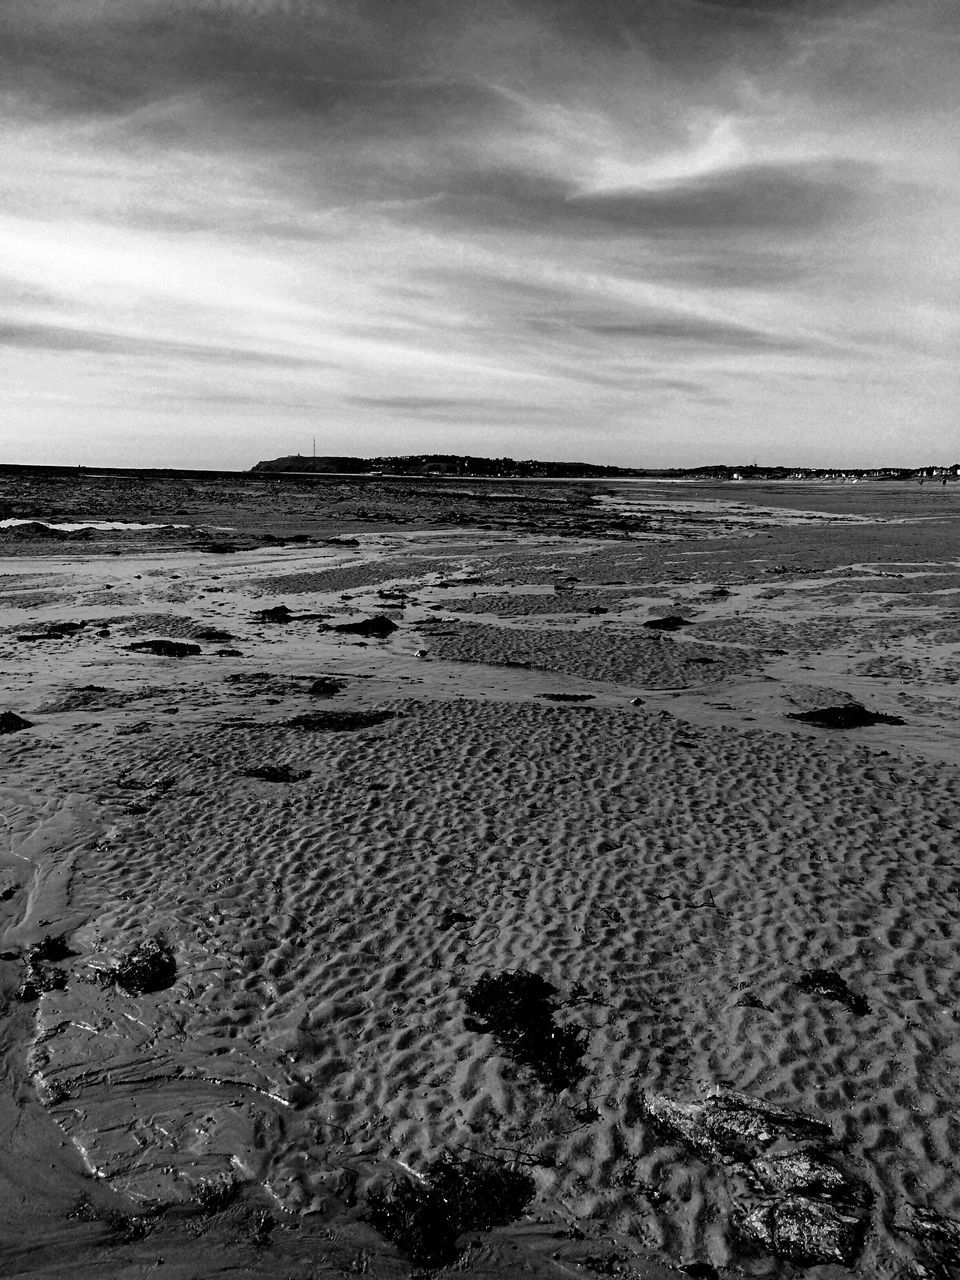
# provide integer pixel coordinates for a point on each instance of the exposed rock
(806, 1232)
(568, 697)
(730, 1126)
(810, 1174)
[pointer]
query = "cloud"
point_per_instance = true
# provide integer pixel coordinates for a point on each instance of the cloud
(434, 216)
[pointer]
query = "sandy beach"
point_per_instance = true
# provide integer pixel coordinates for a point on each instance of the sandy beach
(746, 1062)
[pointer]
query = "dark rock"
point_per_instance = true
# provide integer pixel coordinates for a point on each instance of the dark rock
(568, 697)
(850, 716)
(213, 634)
(229, 653)
(829, 985)
(805, 1232)
(672, 622)
(701, 1271)
(165, 648)
(518, 1009)
(377, 627)
(10, 722)
(343, 541)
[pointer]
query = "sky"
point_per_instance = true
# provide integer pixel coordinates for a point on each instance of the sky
(639, 232)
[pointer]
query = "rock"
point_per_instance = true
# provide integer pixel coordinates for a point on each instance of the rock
(812, 1175)
(829, 985)
(938, 1239)
(165, 648)
(805, 1232)
(10, 722)
(279, 613)
(730, 1126)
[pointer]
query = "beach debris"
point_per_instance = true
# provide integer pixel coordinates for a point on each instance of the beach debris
(147, 967)
(10, 722)
(519, 1010)
(672, 622)
(165, 648)
(805, 1232)
(277, 773)
(937, 1237)
(425, 1216)
(336, 721)
(849, 716)
(378, 627)
(829, 985)
(326, 687)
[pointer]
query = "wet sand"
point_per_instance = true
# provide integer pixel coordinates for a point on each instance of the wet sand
(523, 776)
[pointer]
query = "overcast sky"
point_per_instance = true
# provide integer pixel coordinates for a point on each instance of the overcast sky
(645, 232)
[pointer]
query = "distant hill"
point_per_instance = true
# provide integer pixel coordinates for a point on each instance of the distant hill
(445, 464)
(452, 464)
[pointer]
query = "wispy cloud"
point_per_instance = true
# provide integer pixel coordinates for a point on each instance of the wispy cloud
(642, 233)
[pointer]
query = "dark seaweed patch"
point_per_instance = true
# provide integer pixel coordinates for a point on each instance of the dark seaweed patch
(424, 1219)
(339, 720)
(850, 716)
(518, 1009)
(149, 966)
(828, 985)
(165, 648)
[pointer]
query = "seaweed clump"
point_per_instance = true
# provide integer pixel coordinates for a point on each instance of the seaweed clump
(39, 976)
(850, 716)
(425, 1218)
(339, 720)
(829, 985)
(165, 648)
(149, 966)
(519, 1010)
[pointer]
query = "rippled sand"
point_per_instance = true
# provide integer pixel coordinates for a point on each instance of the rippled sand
(672, 852)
